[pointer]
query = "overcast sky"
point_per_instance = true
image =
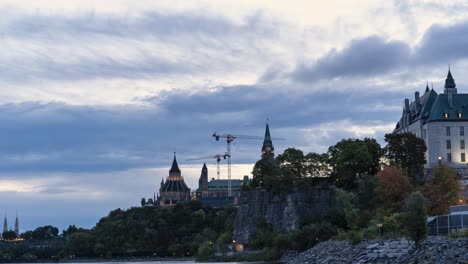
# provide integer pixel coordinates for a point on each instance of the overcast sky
(95, 96)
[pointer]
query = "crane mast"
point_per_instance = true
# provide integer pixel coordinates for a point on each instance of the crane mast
(229, 139)
(218, 160)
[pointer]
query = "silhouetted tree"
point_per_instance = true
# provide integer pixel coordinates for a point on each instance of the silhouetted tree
(352, 157)
(407, 151)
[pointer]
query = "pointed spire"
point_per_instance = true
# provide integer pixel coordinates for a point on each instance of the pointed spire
(174, 171)
(17, 225)
(449, 81)
(5, 223)
(427, 87)
(267, 148)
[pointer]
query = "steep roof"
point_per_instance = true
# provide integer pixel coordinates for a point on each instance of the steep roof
(174, 171)
(267, 140)
(175, 186)
(441, 107)
(449, 81)
(434, 107)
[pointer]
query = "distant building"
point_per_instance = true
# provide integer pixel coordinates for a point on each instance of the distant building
(441, 120)
(17, 225)
(214, 193)
(174, 189)
(268, 151)
(5, 224)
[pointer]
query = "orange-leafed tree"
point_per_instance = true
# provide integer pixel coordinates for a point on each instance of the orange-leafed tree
(392, 189)
(442, 191)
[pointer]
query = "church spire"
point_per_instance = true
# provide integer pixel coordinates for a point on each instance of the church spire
(427, 87)
(17, 225)
(5, 223)
(174, 171)
(267, 148)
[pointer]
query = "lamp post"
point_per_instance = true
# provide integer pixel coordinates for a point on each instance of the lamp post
(440, 161)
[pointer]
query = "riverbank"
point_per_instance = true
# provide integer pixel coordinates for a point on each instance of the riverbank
(433, 250)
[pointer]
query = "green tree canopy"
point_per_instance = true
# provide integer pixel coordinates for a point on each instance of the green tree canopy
(414, 218)
(408, 152)
(9, 235)
(352, 157)
(442, 191)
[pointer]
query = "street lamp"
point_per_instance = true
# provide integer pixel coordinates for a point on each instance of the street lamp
(440, 161)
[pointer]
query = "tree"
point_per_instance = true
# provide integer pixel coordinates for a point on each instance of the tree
(45, 232)
(317, 165)
(345, 200)
(393, 186)
(366, 185)
(143, 202)
(408, 152)
(414, 218)
(9, 235)
(442, 191)
(352, 157)
(292, 163)
(266, 174)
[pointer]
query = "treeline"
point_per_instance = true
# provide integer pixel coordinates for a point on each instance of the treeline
(180, 231)
(43, 243)
(382, 191)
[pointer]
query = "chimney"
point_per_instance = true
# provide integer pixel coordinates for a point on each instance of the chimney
(417, 101)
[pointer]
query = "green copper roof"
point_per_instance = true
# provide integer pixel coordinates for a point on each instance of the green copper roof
(267, 140)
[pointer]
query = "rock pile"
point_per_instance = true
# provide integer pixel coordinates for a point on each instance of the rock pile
(433, 250)
(439, 250)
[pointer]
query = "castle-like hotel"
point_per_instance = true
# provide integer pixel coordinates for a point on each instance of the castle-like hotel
(213, 193)
(441, 120)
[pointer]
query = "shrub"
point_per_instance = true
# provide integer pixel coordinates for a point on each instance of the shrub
(414, 218)
(463, 232)
(205, 251)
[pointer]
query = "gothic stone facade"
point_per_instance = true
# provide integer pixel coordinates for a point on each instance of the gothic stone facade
(441, 120)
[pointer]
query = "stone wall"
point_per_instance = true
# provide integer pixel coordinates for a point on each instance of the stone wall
(282, 210)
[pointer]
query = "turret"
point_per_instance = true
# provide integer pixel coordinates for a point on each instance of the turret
(203, 182)
(450, 88)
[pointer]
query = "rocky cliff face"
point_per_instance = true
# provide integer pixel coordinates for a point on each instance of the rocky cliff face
(282, 210)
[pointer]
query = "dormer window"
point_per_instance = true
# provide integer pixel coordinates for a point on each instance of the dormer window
(445, 115)
(460, 115)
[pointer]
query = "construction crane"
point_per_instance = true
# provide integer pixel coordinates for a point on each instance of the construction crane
(229, 139)
(217, 157)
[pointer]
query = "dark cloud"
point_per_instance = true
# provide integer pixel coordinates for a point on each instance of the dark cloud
(56, 137)
(373, 56)
(443, 44)
(363, 57)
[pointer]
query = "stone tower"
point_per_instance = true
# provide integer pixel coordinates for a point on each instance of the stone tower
(268, 151)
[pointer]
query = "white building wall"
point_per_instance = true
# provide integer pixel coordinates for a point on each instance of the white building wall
(436, 141)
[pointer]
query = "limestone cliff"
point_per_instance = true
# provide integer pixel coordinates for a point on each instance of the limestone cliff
(282, 210)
